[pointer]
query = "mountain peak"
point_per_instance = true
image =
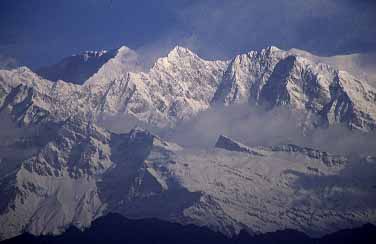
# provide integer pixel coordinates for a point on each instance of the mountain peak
(125, 49)
(86, 55)
(180, 56)
(229, 144)
(273, 49)
(76, 68)
(179, 51)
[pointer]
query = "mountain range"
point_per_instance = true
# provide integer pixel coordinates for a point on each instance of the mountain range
(60, 166)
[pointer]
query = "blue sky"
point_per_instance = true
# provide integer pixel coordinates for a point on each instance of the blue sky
(39, 32)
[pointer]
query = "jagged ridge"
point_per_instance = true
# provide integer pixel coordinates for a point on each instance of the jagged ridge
(181, 85)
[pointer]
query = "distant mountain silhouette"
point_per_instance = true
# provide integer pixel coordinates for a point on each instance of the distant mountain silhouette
(114, 228)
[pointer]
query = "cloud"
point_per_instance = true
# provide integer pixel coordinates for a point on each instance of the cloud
(256, 127)
(7, 62)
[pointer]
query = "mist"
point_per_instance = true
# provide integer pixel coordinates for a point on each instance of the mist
(255, 127)
(7, 62)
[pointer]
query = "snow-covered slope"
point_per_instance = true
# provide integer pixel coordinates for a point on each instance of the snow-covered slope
(361, 65)
(77, 172)
(47, 176)
(31, 99)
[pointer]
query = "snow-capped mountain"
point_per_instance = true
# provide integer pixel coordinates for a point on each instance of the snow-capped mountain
(274, 77)
(77, 68)
(179, 86)
(176, 87)
(58, 167)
